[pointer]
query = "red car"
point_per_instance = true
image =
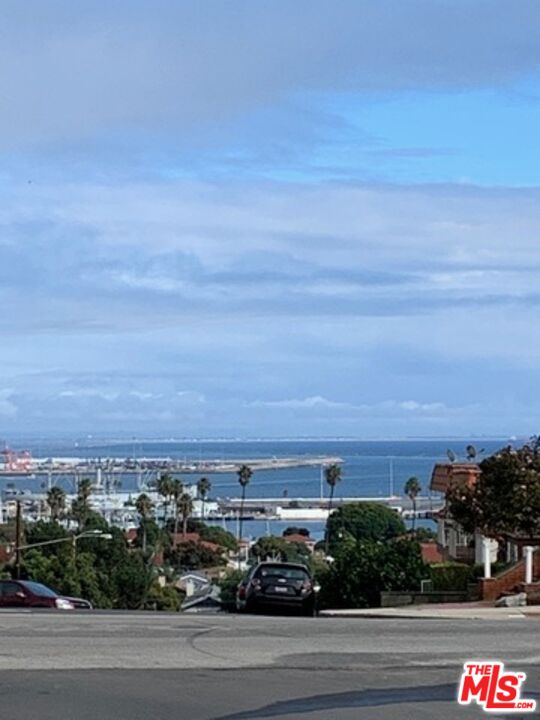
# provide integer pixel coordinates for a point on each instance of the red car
(29, 594)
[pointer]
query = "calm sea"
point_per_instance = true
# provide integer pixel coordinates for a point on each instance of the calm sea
(370, 469)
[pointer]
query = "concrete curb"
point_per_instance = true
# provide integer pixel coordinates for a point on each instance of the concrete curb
(425, 613)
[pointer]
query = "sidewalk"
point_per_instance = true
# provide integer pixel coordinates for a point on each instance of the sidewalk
(449, 611)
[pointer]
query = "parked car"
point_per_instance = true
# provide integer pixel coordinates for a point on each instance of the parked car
(278, 584)
(29, 594)
(78, 603)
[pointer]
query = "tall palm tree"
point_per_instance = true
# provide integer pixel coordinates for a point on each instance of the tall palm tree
(185, 509)
(203, 488)
(145, 507)
(177, 492)
(80, 507)
(56, 500)
(412, 489)
(85, 489)
(244, 476)
(332, 475)
(165, 487)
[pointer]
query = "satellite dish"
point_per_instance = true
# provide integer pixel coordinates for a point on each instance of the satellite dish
(451, 455)
(471, 452)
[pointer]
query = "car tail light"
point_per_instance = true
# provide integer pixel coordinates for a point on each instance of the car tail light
(241, 591)
(63, 604)
(307, 586)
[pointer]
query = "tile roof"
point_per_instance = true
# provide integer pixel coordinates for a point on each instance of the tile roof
(444, 473)
(431, 553)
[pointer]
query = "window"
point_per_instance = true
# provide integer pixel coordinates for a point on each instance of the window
(9, 588)
(41, 590)
(282, 571)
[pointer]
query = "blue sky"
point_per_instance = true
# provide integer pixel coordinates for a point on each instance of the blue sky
(269, 218)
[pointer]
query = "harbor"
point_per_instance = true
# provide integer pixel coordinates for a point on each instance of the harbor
(285, 488)
(21, 463)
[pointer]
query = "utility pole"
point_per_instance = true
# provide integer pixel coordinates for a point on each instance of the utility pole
(18, 540)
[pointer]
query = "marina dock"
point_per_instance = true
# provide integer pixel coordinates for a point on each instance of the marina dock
(116, 482)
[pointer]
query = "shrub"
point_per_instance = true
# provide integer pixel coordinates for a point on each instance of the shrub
(361, 570)
(228, 586)
(450, 576)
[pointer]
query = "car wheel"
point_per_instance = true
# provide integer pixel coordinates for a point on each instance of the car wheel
(309, 610)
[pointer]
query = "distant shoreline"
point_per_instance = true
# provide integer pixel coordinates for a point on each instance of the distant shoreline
(106, 440)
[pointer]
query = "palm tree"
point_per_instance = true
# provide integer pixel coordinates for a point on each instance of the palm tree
(412, 489)
(332, 475)
(244, 476)
(144, 506)
(176, 494)
(165, 487)
(56, 500)
(185, 509)
(203, 488)
(80, 507)
(85, 489)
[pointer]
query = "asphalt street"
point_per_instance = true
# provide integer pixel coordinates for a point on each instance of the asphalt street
(229, 667)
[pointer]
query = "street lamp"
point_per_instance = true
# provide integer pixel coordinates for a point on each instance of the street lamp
(70, 538)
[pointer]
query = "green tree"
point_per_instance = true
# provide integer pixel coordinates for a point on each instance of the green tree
(177, 492)
(56, 500)
(423, 534)
(43, 531)
(133, 580)
(269, 548)
(107, 573)
(165, 487)
(244, 476)
(294, 530)
(332, 475)
(203, 488)
(412, 489)
(277, 548)
(163, 598)
(505, 498)
(185, 509)
(192, 555)
(80, 507)
(362, 521)
(219, 536)
(145, 509)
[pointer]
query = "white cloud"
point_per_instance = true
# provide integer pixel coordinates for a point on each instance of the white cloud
(89, 393)
(413, 406)
(315, 401)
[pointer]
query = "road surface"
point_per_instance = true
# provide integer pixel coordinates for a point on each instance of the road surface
(225, 667)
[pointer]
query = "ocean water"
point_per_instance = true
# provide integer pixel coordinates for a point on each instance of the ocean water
(370, 468)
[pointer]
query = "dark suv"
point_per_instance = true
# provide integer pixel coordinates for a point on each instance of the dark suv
(278, 584)
(28, 594)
